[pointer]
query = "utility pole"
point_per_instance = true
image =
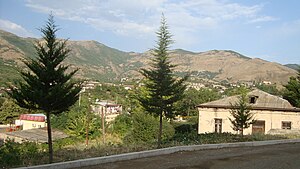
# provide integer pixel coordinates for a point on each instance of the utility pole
(87, 123)
(103, 123)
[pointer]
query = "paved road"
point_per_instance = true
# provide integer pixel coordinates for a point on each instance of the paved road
(284, 156)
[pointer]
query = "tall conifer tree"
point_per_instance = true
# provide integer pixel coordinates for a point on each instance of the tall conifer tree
(46, 86)
(163, 89)
(241, 113)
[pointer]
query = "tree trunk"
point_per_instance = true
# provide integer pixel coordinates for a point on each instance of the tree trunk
(50, 149)
(242, 132)
(160, 131)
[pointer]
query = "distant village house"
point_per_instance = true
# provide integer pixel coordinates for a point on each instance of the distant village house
(109, 110)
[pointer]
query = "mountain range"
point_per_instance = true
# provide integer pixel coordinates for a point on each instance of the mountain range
(97, 61)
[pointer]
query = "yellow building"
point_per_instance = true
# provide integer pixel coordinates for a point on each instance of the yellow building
(272, 115)
(32, 121)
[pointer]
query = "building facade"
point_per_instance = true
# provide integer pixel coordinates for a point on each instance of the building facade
(272, 115)
(107, 109)
(31, 121)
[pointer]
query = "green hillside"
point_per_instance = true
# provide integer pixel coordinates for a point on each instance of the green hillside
(8, 72)
(293, 66)
(95, 60)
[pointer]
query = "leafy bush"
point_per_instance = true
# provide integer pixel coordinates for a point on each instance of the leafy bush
(122, 124)
(185, 127)
(18, 154)
(145, 129)
(74, 122)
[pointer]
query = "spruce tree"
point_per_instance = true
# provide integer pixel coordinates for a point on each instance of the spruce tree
(163, 89)
(46, 85)
(242, 116)
(292, 90)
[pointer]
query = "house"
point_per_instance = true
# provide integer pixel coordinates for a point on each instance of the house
(272, 115)
(108, 110)
(34, 129)
(31, 121)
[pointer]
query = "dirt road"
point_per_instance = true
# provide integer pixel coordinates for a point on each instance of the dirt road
(284, 156)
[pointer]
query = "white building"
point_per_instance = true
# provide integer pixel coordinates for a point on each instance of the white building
(273, 115)
(108, 110)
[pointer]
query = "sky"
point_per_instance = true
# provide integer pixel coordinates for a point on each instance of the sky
(266, 29)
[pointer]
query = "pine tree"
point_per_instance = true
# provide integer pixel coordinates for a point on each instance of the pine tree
(46, 86)
(163, 89)
(292, 90)
(242, 116)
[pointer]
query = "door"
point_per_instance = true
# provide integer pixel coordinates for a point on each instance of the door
(258, 127)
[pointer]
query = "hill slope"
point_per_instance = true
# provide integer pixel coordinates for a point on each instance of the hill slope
(226, 65)
(99, 62)
(95, 60)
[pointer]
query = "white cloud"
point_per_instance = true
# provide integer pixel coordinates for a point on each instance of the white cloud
(263, 19)
(141, 17)
(14, 28)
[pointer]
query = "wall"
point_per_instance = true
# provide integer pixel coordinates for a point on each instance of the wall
(27, 124)
(273, 120)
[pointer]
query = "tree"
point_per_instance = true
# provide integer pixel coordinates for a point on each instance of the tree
(242, 116)
(144, 129)
(271, 89)
(46, 86)
(192, 97)
(9, 111)
(236, 91)
(292, 90)
(122, 124)
(163, 89)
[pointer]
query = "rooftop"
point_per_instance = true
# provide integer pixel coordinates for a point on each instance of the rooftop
(257, 100)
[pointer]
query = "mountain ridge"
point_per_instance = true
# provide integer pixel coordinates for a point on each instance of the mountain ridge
(96, 61)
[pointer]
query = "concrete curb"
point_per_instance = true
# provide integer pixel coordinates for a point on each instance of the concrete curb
(151, 153)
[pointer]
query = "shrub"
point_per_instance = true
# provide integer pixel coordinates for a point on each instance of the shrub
(145, 129)
(17, 154)
(74, 122)
(122, 124)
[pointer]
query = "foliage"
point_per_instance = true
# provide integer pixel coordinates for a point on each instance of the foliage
(144, 129)
(292, 91)
(122, 124)
(7, 72)
(236, 91)
(19, 154)
(74, 122)
(271, 89)
(192, 97)
(117, 93)
(72, 149)
(2, 100)
(10, 111)
(185, 127)
(242, 117)
(47, 86)
(162, 88)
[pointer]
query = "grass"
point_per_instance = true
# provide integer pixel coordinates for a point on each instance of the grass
(72, 149)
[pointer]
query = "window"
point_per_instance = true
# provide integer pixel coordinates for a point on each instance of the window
(33, 125)
(287, 125)
(218, 125)
(39, 126)
(253, 99)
